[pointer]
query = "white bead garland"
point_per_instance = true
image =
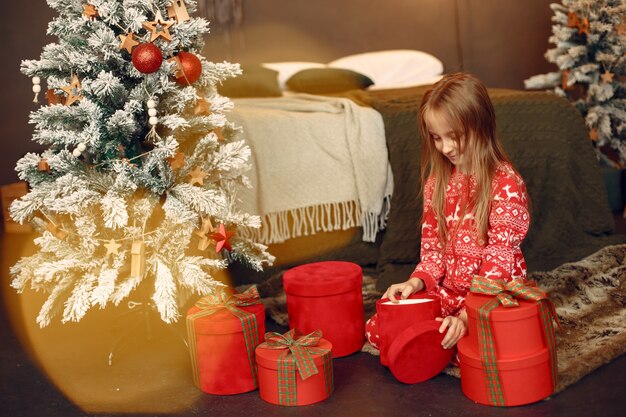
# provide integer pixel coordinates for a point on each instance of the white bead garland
(80, 148)
(36, 87)
(152, 113)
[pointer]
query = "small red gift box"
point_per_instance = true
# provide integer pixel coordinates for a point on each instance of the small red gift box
(328, 296)
(394, 318)
(295, 369)
(223, 332)
(509, 357)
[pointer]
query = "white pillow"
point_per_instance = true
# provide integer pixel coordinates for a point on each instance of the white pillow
(287, 69)
(394, 68)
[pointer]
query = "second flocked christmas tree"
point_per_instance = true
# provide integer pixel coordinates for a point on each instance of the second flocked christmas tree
(139, 183)
(589, 40)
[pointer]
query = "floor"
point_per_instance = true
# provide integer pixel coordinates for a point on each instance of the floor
(64, 370)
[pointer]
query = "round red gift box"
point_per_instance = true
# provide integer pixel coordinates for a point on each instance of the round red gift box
(223, 364)
(394, 318)
(523, 380)
(517, 331)
(328, 296)
(416, 354)
(308, 391)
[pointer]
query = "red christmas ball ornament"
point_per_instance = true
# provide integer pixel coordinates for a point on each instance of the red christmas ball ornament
(189, 68)
(147, 58)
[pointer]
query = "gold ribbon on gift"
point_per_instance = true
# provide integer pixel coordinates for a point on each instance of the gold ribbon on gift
(219, 301)
(507, 294)
(298, 355)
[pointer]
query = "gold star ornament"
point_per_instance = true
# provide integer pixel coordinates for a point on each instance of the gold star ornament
(112, 247)
(207, 227)
(128, 42)
(73, 91)
(607, 77)
(90, 11)
(177, 161)
(53, 98)
(159, 27)
(583, 26)
(197, 176)
(202, 107)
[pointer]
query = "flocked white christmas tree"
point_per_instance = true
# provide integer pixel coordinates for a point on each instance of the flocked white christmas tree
(590, 47)
(139, 181)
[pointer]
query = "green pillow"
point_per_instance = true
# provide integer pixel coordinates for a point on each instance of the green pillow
(327, 81)
(255, 81)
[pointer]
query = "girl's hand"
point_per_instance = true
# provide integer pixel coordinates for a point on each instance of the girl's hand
(412, 285)
(456, 330)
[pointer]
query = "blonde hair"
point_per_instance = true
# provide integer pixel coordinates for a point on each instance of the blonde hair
(461, 100)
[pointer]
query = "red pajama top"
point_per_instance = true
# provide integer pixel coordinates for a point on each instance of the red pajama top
(448, 273)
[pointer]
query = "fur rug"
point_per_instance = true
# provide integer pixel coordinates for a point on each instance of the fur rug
(590, 300)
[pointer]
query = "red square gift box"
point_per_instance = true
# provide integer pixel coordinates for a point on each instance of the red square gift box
(509, 356)
(223, 332)
(295, 369)
(328, 296)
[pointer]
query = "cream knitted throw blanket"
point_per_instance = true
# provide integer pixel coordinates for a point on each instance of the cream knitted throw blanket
(318, 164)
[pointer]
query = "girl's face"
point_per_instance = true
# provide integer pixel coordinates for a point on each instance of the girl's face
(445, 138)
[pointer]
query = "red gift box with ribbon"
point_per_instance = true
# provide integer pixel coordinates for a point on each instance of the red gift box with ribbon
(509, 357)
(223, 331)
(295, 369)
(328, 296)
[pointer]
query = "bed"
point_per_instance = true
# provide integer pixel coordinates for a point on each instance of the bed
(543, 134)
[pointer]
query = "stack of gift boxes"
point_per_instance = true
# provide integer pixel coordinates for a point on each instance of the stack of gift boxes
(508, 357)
(231, 353)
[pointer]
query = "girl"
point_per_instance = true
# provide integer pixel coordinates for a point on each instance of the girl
(475, 203)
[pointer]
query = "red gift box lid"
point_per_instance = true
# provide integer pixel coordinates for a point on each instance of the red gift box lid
(223, 321)
(323, 278)
(417, 355)
(268, 358)
(526, 308)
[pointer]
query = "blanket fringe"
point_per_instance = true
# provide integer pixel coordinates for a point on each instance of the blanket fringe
(281, 226)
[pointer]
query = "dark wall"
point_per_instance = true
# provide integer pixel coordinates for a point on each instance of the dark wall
(502, 41)
(25, 24)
